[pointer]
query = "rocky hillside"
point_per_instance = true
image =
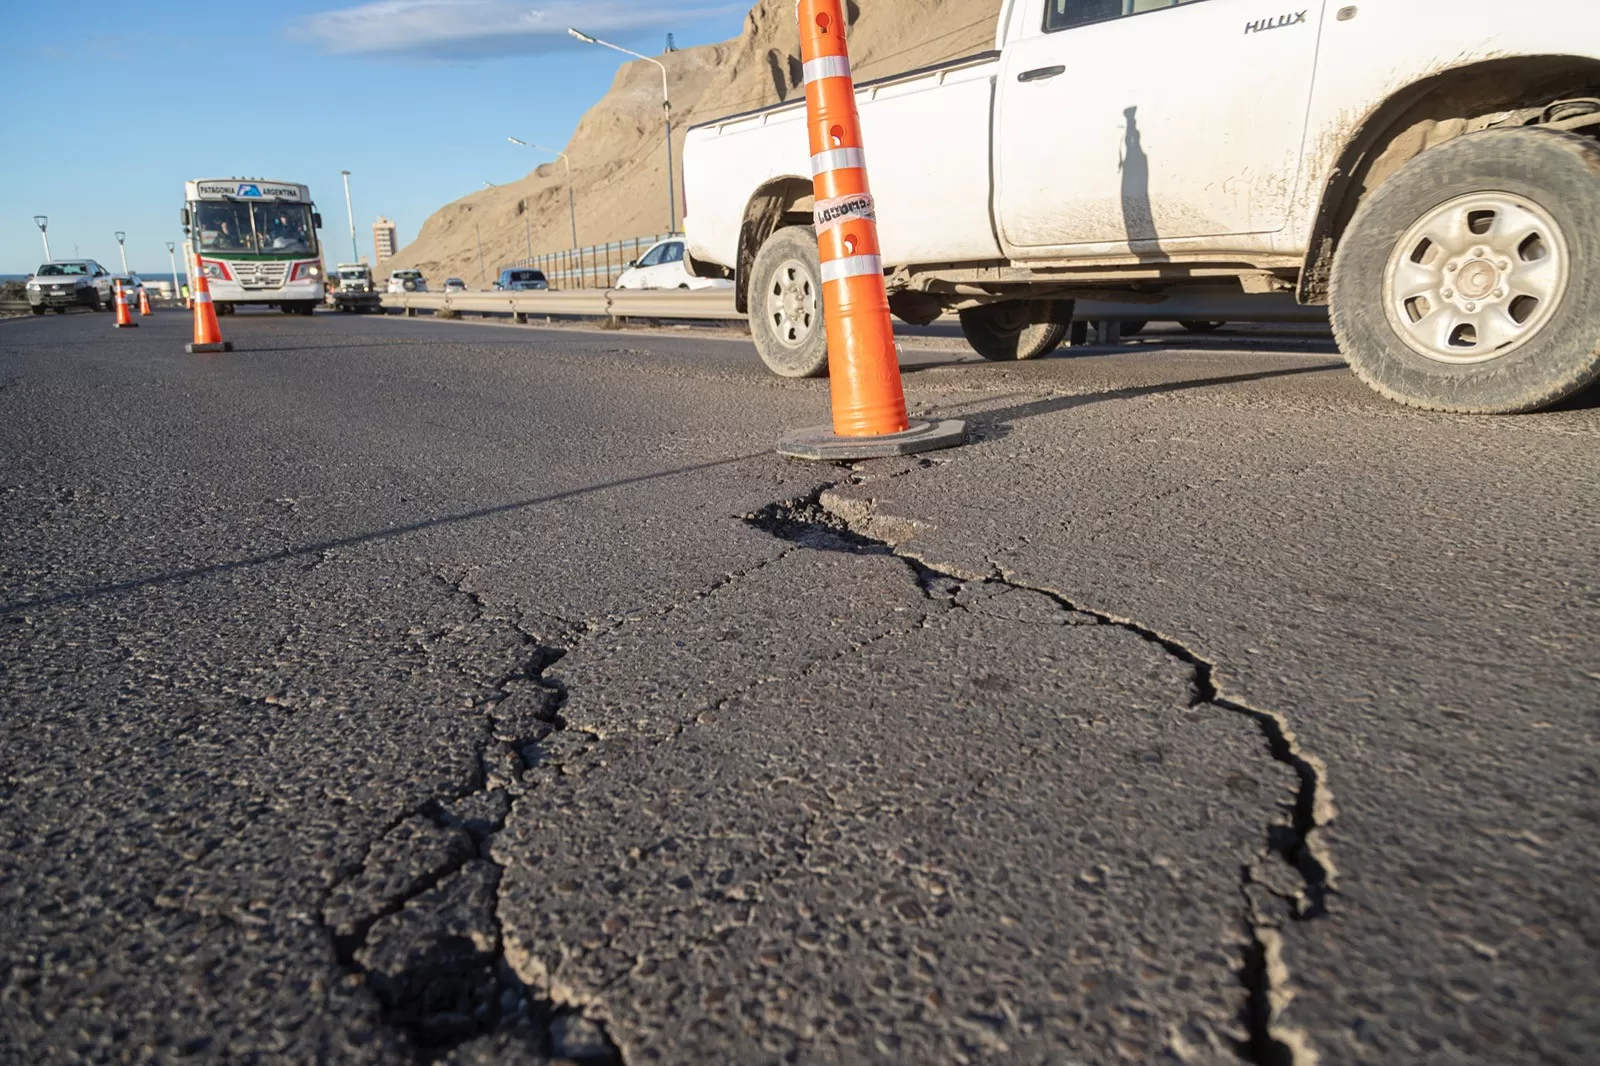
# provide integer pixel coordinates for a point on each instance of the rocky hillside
(618, 152)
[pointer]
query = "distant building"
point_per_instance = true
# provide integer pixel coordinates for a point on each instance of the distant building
(385, 242)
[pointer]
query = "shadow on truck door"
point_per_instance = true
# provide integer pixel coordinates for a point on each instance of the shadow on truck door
(1138, 219)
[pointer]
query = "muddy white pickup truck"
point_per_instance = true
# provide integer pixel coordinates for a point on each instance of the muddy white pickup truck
(1429, 168)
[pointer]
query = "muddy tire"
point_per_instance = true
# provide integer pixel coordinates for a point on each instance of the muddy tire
(1001, 333)
(1468, 281)
(785, 302)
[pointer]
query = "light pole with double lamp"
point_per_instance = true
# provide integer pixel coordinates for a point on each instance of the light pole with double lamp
(43, 222)
(355, 249)
(122, 249)
(572, 210)
(666, 107)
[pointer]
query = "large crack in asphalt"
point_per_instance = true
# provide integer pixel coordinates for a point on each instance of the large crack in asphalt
(419, 922)
(1295, 874)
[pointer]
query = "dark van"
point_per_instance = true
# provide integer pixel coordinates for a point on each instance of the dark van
(521, 279)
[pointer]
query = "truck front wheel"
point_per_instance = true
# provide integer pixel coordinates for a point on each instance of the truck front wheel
(786, 305)
(1468, 281)
(1004, 333)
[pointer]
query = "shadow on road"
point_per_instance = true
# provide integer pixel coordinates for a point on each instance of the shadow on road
(173, 576)
(993, 424)
(996, 422)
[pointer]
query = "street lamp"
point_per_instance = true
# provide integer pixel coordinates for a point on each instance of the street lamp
(666, 107)
(572, 211)
(172, 263)
(43, 221)
(355, 249)
(122, 249)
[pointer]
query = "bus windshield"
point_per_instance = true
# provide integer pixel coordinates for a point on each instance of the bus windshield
(227, 226)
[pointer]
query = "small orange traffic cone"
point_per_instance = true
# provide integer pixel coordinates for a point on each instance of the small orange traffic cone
(869, 404)
(207, 334)
(144, 303)
(124, 319)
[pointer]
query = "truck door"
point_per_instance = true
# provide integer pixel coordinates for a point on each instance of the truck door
(1143, 122)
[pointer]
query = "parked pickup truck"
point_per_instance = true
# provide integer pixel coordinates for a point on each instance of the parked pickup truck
(1429, 168)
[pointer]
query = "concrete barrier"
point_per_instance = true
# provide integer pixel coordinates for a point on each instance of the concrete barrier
(1220, 304)
(711, 304)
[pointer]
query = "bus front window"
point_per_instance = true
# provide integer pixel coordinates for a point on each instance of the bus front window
(284, 228)
(224, 227)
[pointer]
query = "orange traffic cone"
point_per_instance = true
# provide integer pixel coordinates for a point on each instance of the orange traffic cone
(869, 405)
(124, 319)
(207, 334)
(144, 302)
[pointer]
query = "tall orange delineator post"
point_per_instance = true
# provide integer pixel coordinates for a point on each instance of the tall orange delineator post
(207, 334)
(124, 318)
(869, 406)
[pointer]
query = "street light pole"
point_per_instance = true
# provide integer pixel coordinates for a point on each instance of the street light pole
(122, 249)
(43, 222)
(355, 249)
(572, 211)
(666, 107)
(172, 263)
(483, 275)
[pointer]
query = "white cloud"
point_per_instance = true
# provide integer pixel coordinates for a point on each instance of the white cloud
(468, 29)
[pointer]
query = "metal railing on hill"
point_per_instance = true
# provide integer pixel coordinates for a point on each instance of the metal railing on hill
(596, 267)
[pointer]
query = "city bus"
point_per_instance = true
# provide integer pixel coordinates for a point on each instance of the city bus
(256, 241)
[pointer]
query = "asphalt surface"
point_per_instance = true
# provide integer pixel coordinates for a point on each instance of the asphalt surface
(396, 691)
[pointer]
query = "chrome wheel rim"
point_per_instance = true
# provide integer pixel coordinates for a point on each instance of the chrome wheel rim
(1476, 278)
(792, 303)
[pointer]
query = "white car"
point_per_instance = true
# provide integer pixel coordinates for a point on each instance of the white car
(407, 281)
(63, 283)
(662, 268)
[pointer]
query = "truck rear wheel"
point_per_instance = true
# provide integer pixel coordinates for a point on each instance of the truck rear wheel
(785, 302)
(1467, 282)
(1004, 333)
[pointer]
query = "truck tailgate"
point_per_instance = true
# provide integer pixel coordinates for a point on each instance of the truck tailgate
(927, 147)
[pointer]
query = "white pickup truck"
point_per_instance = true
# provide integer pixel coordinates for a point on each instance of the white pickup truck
(1428, 168)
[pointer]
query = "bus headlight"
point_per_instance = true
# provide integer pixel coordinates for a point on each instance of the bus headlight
(306, 272)
(214, 270)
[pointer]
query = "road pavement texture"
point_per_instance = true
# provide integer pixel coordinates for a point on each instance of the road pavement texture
(396, 691)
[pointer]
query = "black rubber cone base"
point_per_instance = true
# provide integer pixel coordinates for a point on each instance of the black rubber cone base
(124, 325)
(822, 444)
(225, 346)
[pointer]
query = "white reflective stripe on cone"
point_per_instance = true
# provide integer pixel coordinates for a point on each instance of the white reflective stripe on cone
(827, 67)
(201, 297)
(837, 159)
(855, 266)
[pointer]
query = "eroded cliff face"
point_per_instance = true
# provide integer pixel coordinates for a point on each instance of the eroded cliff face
(618, 150)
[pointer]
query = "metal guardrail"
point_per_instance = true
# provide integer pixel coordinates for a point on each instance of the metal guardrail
(13, 306)
(706, 304)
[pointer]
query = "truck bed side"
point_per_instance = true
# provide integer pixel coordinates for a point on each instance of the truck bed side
(927, 146)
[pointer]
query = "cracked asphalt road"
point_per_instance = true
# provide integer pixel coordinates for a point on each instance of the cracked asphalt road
(399, 691)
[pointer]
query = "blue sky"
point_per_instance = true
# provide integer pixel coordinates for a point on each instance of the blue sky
(110, 107)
